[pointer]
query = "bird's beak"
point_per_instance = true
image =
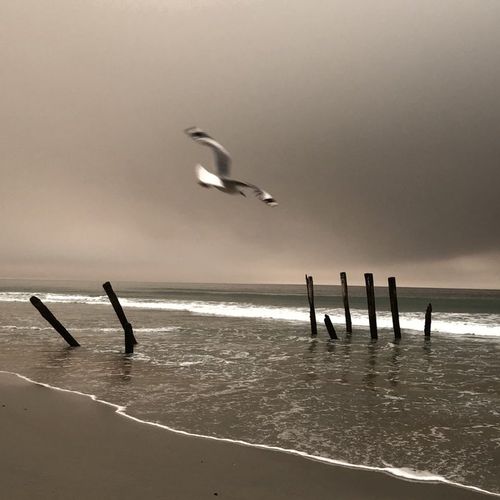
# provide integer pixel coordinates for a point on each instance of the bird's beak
(190, 130)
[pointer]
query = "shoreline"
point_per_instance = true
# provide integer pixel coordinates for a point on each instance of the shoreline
(353, 481)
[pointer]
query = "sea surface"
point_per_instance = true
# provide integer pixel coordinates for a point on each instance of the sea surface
(238, 362)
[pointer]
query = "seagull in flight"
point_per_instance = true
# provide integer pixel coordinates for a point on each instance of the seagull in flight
(221, 180)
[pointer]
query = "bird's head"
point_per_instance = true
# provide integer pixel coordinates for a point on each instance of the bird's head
(195, 132)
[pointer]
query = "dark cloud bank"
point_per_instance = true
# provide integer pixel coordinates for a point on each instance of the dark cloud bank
(375, 124)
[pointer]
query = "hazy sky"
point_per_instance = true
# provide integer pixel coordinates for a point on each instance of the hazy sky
(375, 124)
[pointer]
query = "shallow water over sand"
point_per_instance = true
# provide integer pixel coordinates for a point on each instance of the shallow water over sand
(431, 406)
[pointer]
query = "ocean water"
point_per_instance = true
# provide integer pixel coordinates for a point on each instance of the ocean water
(237, 362)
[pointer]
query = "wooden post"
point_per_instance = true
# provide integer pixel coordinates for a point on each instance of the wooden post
(129, 339)
(428, 318)
(330, 327)
(312, 311)
(345, 298)
(127, 327)
(394, 307)
(58, 327)
(370, 296)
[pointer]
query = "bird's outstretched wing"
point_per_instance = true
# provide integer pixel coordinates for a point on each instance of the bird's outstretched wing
(260, 193)
(222, 158)
(207, 179)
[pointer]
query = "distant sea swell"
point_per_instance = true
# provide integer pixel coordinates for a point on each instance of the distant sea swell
(482, 324)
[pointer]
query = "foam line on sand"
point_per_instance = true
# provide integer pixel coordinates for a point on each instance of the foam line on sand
(400, 473)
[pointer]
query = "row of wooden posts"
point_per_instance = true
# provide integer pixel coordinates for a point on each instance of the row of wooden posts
(130, 340)
(372, 314)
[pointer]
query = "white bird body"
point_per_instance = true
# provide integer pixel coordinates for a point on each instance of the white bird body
(221, 180)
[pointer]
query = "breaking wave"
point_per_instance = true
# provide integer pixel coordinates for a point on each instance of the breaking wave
(453, 323)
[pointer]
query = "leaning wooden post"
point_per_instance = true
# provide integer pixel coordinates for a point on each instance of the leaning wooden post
(129, 339)
(428, 319)
(394, 307)
(127, 327)
(58, 327)
(312, 311)
(345, 298)
(370, 296)
(330, 327)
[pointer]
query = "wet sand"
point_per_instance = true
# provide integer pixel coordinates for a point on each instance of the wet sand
(60, 445)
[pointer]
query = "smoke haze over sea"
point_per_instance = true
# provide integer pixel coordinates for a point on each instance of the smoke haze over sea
(374, 123)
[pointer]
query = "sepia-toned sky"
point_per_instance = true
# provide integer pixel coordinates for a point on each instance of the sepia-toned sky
(375, 124)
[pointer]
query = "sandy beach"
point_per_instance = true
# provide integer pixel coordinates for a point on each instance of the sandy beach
(61, 445)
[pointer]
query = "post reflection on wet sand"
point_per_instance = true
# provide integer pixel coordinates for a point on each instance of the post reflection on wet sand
(59, 358)
(427, 347)
(395, 363)
(331, 346)
(123, 368)
(313, 346)
(370, 377)
(428, 354)
(345, 356)
(55, 364)
(312, 359)
(342, 353)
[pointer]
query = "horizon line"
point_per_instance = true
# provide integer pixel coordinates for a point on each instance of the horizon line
(6, 278)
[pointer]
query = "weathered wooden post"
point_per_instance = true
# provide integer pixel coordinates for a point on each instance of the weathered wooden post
(312, 311)
(127, 327)
(58, 327)
(345, 298)
(330, 327)
(129, 339)
(428, 319)
(370, 296)
(394, 307)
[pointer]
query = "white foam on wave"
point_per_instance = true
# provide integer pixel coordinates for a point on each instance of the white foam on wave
(400, 472)
(64, 298)
(15, 327)
(160, 329)
(456, 323)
